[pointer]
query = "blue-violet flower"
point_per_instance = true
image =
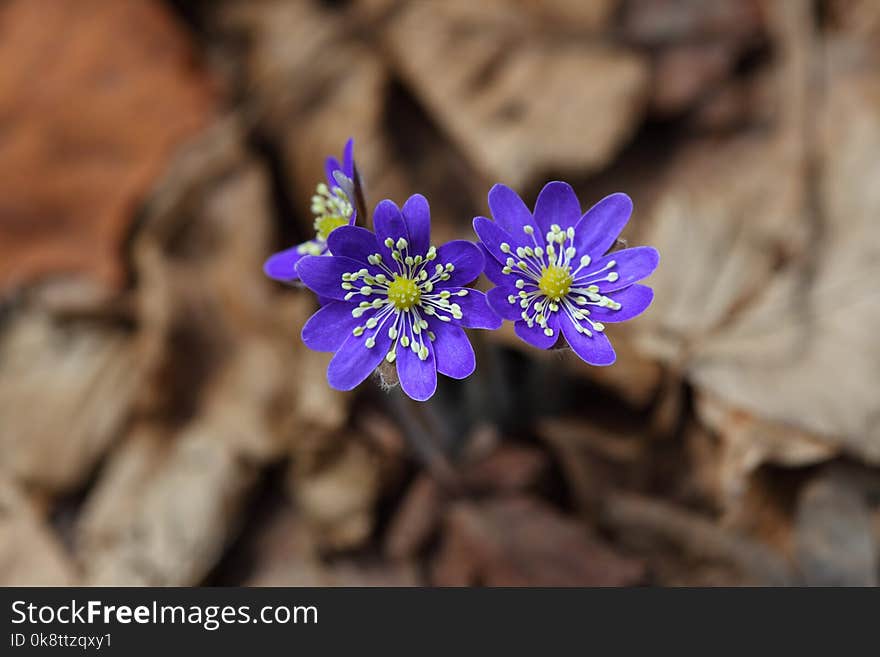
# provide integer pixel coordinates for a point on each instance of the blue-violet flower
(553, 273)
(332, 205)
(396, 298)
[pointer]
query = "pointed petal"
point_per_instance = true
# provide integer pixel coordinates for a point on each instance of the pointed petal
(601, 225)
(509, 211)
(417, 215)
(328, 328)
(498, 301)
(535, 335)
(492, 268)
(323, 274)
(595, 350)
(493, 236)
(418, 378)
(388, 222)
(452, 350)
(353, 242)
(475, 309)
(354, 361)
(467, 259)
(630, 265)
(557, 204)
(282, 265)
(634, 300)
(348, 158)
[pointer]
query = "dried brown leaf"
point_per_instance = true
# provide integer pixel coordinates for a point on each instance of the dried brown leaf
(522, 542)
(805, 353)
(66, 390)
(30, 553)
(510, 110)
(96, 96)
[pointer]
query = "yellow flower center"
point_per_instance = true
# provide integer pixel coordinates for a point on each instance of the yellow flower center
(326, 225)
(555, 282)
(404, 293)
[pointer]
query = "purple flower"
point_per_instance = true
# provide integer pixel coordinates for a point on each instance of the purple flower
(552, 272)
(332, 205)
(394, 297)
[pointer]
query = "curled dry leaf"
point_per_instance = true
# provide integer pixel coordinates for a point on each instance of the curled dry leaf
(765, 309)
(749, 442)
(279, 550)
(804, 352)
(500, 104)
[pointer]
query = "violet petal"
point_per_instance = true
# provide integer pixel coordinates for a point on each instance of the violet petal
(452, 350)
(634, 300)
(353, 242)
(388, 222)
(323, 274)
(599, 228)
(595, 350)
(282, 265)
(492, 268)
(509, 211)
(354, 362)
(328, 328)
(557, 204)
(493, 236)
(475, 310)
(418, 377)
(535, 335)
(630, 265)
(498, 301)
(467, 259)
(417, 215)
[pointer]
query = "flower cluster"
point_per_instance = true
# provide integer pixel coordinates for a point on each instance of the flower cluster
(389, 296)
(553, 274)
(396, 298)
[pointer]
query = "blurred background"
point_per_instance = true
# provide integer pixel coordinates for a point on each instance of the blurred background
(161, 422)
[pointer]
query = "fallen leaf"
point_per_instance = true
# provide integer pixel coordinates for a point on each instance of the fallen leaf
(95, 95)
(787, 358)
(66, 391)
(30, 553)
(502, 105)
(836, 545)
(522, 542)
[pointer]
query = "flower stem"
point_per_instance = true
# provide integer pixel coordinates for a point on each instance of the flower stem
(360, 200)
(423, 440)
